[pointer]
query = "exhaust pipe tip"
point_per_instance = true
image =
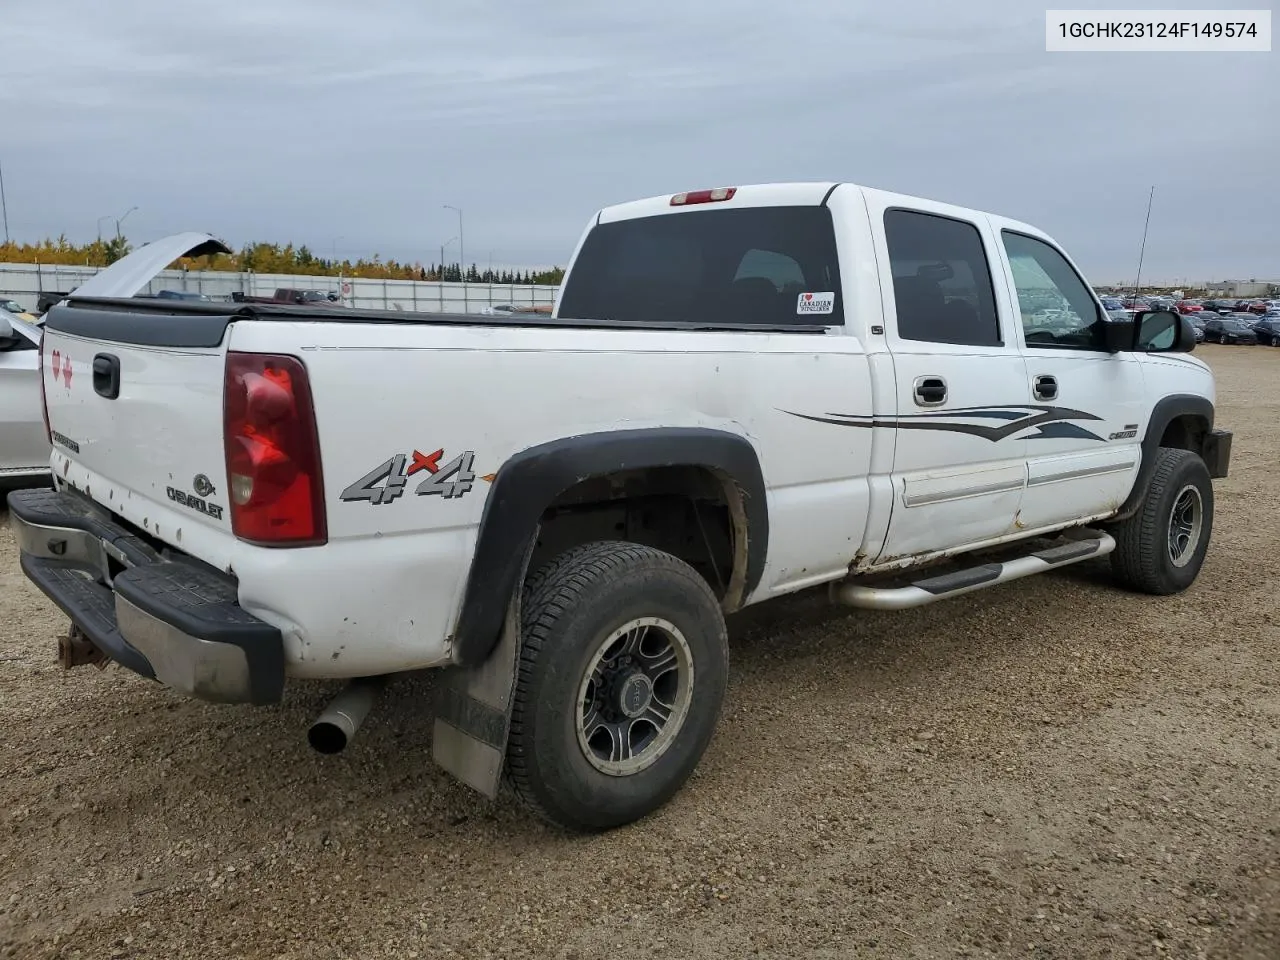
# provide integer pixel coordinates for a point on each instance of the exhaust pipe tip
(326, 737)
(335, 728)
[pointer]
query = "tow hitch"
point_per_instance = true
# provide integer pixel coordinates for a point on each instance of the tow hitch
(75, 650)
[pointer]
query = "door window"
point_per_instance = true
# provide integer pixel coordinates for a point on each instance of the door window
(1058, 309)
(941, 280)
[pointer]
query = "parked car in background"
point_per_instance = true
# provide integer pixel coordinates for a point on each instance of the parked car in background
(24, 442)
(1248, 319)
(24, 448)
(1267, 330)
(1228, 330)
(505, 310)
(48, 298)
(312, 298)
(15, 308)
(177, 295)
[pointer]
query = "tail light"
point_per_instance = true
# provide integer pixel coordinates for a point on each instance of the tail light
(272, 451)
(44, 400)
(703, 196)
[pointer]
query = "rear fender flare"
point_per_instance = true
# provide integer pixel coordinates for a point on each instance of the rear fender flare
(531, 480)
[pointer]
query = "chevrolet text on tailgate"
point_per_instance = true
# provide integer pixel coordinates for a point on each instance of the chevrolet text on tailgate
(742, 393)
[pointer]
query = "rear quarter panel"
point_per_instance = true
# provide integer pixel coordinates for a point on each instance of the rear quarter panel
(384, 593)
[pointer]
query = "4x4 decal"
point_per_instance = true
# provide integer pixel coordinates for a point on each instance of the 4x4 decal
(1051, 421)
(387, 481)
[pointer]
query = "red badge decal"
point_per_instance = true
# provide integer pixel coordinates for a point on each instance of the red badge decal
(429, 462)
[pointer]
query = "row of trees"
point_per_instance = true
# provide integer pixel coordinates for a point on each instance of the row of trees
(272, 258)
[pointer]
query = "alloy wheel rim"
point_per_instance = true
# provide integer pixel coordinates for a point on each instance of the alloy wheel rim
(634, 696)
(1186, 522)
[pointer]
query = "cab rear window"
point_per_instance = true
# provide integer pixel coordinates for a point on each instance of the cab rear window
(773, 266)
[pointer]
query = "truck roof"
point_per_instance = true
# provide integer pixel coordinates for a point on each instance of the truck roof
(794, 193)
(749, 195)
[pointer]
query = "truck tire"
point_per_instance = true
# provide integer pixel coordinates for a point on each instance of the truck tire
(1161, 548)
(623, 665)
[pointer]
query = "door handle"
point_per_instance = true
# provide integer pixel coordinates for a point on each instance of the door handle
(930, 391)
(106, 375)
(1046, 387)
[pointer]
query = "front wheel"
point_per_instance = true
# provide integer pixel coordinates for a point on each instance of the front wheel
(1161, 548)
(623, 667)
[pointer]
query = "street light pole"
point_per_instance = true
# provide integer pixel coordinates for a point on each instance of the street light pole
(4, 206)
(442, 246)
(462, 244)
(120, 220)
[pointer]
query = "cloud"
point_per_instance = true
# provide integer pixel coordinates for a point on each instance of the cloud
(310, 120)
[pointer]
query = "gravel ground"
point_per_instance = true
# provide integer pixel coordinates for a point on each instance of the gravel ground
(1050, 769)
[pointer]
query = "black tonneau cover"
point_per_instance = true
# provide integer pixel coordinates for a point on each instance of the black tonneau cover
(185, 323)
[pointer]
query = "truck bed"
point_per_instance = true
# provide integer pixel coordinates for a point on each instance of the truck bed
(207, 322)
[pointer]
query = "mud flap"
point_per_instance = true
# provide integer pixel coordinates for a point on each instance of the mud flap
(473, 712)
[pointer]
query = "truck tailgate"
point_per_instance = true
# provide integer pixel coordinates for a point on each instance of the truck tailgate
(138, 425)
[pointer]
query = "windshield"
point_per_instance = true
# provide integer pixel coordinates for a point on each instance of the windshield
(757, 265)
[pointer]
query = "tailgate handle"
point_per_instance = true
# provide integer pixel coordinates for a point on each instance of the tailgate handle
(106, 375)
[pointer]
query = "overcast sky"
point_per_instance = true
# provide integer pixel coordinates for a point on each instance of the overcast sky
(330, 122)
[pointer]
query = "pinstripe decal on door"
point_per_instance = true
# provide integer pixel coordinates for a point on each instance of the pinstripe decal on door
(1049, 422)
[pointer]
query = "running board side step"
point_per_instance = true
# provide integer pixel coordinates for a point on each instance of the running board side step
(921, 592)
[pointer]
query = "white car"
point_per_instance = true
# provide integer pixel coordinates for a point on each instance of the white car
(18, 310)
(24, 446)
(506, 310)
(743, 393)
(24, 439)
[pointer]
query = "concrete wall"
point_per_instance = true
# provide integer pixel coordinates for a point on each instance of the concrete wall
(25, 282)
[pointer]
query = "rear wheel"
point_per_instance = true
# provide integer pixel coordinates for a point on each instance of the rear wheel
(1161, 548)
(623, 667)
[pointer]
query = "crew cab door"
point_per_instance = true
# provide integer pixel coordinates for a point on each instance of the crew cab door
(959, 465)
(1082, 460)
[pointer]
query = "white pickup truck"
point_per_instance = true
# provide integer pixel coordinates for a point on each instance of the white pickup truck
(742, 393)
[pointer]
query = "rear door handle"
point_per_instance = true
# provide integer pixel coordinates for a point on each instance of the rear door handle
(930, 391)
(106, 375)
(1046, 387)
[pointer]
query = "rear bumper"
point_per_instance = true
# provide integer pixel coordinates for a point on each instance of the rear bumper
(167, 618)
(1217, 453)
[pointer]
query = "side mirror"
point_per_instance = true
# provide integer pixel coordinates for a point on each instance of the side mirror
(1163, 331)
